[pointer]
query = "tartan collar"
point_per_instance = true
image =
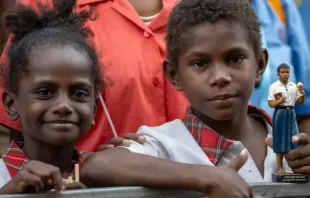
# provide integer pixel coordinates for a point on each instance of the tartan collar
(209, 140)
(15, 159)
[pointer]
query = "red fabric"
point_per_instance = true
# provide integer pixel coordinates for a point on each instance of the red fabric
(209, 140)
(132, 56)
(15, 159)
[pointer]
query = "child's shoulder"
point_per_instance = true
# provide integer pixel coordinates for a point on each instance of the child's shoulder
(254, 110)
(260, 115)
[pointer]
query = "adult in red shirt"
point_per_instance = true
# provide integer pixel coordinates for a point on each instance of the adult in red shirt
(129, 34)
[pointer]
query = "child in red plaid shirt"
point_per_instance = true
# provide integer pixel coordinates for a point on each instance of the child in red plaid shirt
(51, 87)
(215, 58)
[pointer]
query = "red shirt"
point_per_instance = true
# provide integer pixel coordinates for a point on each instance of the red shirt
(132, 55)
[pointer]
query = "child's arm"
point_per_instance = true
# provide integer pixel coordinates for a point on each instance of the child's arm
(119, 167)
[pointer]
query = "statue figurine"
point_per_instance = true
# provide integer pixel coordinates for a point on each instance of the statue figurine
(283, 94)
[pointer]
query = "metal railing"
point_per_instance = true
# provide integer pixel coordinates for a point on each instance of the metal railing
(261, 190)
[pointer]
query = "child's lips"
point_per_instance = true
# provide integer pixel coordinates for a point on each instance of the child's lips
(61, 125)
(60, 122)
(221, 97)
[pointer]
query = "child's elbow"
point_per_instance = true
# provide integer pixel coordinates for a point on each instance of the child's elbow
(90, 170)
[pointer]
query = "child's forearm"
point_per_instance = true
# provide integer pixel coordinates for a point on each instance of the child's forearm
(8, 189)
(119, 167)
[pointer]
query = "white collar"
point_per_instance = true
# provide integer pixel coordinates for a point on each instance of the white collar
(281, 84)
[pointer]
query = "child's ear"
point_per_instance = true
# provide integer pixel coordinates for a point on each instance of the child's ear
(172, 74)
(262, 63)
(9, 103)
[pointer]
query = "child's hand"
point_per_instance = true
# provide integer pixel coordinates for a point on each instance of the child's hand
(123, 141)
(34, 177)
(299, 158)
(228, 183)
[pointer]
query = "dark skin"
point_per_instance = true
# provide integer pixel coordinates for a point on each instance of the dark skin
(218, 81)
(158, 173)
(205, 70)
(147, 8)
(55, 104)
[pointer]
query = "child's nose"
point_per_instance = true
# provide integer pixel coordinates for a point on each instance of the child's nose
(219, 77)
(63, 106)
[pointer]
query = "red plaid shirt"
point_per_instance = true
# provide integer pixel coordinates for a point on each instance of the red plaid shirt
(210, 141)
(15, 159)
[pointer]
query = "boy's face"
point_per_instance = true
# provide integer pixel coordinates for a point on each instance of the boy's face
(56, 98)
(284, 74)
(217, 69)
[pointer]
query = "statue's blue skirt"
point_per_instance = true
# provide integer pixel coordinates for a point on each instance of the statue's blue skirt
(284, 127)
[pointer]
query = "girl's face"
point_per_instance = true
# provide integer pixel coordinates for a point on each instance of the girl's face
(56, 97)
(217, 69)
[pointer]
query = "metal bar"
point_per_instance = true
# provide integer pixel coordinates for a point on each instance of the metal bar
(261, 190)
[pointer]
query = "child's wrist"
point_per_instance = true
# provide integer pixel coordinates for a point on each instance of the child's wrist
(205, 178)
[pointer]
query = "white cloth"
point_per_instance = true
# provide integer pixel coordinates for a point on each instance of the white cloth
(5, 176)
(148, 19)
(173, 141)
(290, 92)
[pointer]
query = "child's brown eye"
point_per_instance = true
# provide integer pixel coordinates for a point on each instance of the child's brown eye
(80, 94)
(236, 59)
(44, 92)
(200, 63)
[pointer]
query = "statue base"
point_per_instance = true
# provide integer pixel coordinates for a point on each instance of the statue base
(290, 178)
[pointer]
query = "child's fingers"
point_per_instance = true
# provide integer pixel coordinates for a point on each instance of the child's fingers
(27, 179)
(298, 153)
(74, 185)
(135, 137)
(56, 179)
(49, 173)
(301, 138)
(302, 170)
(268, 141)
(237, 163)
(45, 172)
(119, 141)
(105, 147)
(299, 163)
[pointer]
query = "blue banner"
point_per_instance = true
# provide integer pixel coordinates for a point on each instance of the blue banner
(304, 7)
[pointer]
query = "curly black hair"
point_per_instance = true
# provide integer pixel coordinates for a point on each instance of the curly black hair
(58, 24)
(189, 13)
